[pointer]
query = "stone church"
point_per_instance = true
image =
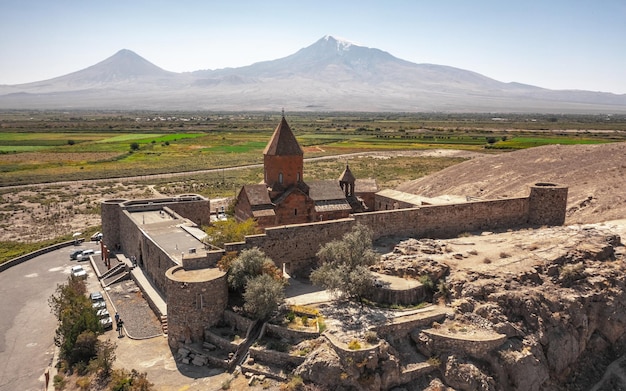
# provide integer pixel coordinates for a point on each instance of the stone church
(284, 198)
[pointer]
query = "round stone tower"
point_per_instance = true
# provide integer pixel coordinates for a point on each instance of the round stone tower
(110, 211)
(196, 299)
(547, 204)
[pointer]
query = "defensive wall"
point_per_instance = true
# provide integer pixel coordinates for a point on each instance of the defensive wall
(199, 302)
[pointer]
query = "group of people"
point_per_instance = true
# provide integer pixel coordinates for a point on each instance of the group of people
(119, 324)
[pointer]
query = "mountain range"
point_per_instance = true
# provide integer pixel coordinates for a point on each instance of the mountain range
(329, 75)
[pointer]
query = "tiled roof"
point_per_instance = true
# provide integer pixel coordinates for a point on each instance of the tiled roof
(263, 213)
(367, 185)
(325, 190)
(347, 176)
(283, 142)
(332, 205)
(257, 195)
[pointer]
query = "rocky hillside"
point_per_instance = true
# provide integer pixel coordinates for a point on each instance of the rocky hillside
(527, 310)
(595, 174)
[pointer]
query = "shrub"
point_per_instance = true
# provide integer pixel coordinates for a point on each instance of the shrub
(226, 384)
(83, 382)
(427, 282)
(434, 361)
(59, 382)
(354, 345)
(504, 255)
(294, 384)
(291, 317)
(321, 325)
(371, 337)
(305, 320)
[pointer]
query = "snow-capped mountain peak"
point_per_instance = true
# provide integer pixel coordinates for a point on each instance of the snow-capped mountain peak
(342, 44)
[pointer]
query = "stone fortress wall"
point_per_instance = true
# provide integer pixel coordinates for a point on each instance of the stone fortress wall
(295, 246)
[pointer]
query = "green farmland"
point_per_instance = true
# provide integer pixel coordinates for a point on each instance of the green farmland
(48, 147)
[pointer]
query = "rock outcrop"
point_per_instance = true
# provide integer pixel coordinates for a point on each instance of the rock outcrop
(533, 310)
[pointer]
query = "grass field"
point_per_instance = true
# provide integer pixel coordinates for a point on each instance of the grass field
(60, 146)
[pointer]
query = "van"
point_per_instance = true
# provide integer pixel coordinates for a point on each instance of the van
(84, 255)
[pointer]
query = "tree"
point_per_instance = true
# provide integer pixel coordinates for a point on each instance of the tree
(344, 263)
(229, 231)
(75, 316)
(263, 296)
(105, 357)
(249, 264)
(134, 146)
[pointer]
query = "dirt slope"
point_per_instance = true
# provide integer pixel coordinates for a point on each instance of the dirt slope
(595, 174)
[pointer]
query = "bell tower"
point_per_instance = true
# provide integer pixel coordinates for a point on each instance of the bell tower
(283, 159)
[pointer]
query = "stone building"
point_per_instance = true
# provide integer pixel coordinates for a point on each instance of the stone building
(284, 198)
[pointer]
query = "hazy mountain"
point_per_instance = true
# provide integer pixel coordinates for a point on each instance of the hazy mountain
(329, 75)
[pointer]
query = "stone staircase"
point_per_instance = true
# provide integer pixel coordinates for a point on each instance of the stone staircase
(164, 324)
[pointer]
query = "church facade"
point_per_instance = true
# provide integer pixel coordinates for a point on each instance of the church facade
(284, 198)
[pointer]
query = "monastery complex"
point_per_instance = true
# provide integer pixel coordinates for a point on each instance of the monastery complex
(163, 237)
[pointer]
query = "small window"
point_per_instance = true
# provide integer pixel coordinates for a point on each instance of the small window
(295, 212)
(280, 178)
(298, 177)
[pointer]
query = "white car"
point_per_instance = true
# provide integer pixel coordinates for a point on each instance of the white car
(85, 255)
(105, 318)
(97, 300)
(79, 272)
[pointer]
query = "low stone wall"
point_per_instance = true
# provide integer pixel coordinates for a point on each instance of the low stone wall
(241, 323)
(274, 357)
(26, 257)
(402, 326)
(351, 356)
(430, 340)
(407, 297)
(220, 342)
(295, 336)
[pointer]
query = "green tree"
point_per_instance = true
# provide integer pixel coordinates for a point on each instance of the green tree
(345, 264)
(75, 316)
(105, 356)
(249, 264)
(263, 296)
(229, 231)
(134, 146)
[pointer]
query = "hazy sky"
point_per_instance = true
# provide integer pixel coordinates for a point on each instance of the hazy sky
(559, 44)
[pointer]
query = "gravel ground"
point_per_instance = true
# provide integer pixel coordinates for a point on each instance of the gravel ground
(139, 320)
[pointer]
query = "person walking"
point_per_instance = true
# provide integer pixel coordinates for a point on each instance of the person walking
(120, 324)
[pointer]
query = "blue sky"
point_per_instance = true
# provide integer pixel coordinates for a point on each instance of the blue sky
(555, 44)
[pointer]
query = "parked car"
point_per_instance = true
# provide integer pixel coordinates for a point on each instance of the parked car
(96, 237)
(83, 256)
(105, 318)
(76, 253)
(79, 272)
(97, 300)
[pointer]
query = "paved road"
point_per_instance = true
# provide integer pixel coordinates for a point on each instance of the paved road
(26, 323)
(218, 170)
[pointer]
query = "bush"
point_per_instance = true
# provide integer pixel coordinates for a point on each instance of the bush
(59, 382)
(371, 337)
(354, 345)
(294, 384)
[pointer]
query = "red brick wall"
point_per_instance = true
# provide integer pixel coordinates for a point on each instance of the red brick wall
(289, 166)
(285, 211)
